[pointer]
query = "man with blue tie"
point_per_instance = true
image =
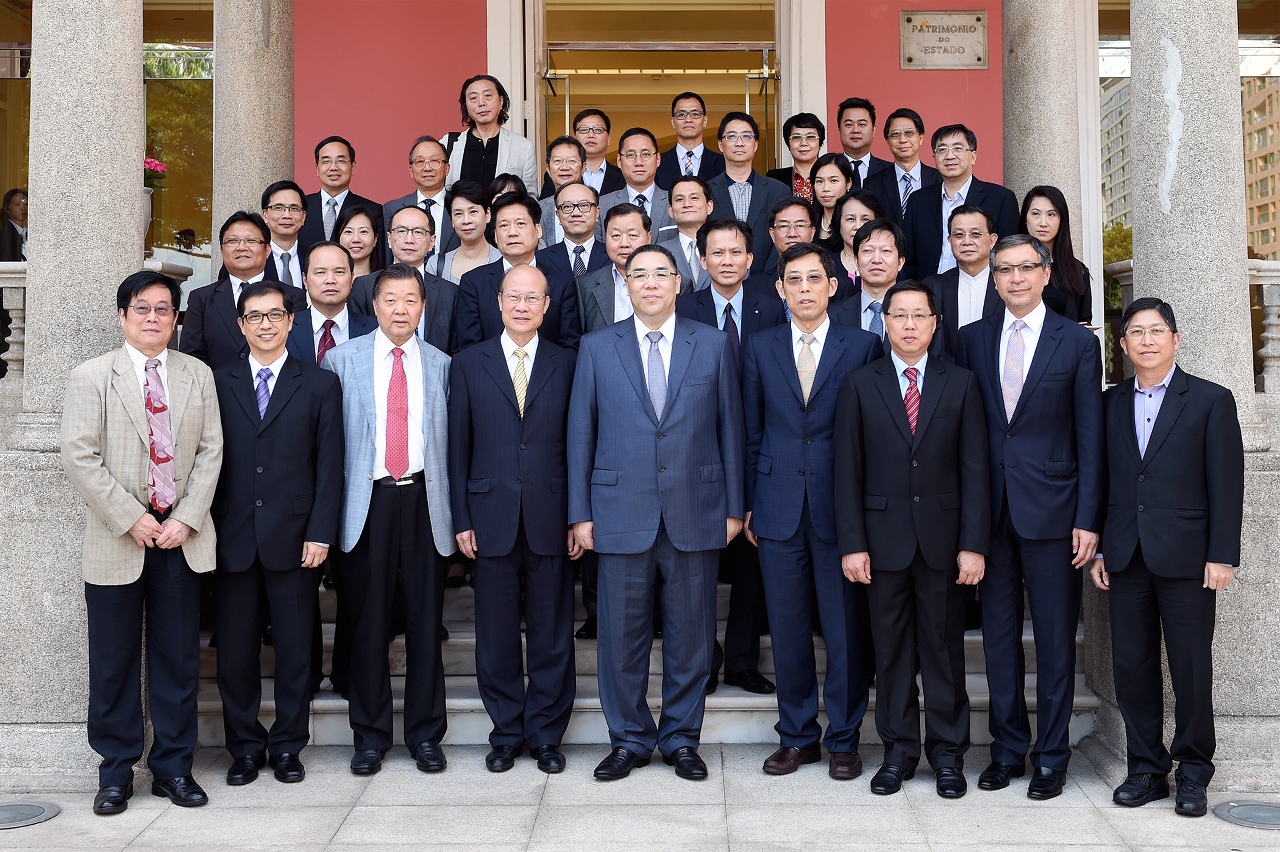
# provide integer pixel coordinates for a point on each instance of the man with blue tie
(791, 381)
(655, 487)
(878, 245)
(689, 157)
(395, 518)
(1041, 382)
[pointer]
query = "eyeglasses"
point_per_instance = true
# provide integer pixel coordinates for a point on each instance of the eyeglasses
(285, 208)
(1157, 333)
(811, 138)
(645, 156)
(970, 235)
(662, 275)
(421, 162)
(401, 232)
(814, 279)
(903, 134)
(581, 206)
(1024, 268)
(943, 150)
(251, 242)
(256, 317)
(591, 131)
(903, 317)
(161, 311)
(785, 226)
(686, 114)
(739, 137)
(530, 299)
(564, 161)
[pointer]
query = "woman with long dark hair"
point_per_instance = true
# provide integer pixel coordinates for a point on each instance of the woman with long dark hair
(832, 177)
(1046, 217)
(357, 232)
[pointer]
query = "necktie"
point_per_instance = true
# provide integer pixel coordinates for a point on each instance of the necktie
(1013, 355)
(162, 489)
(731, 328)
(688, 163)
(263, 391)
(857, 173)
(695, 268)
(908, 187)
(579, 266)
(657, 376)
(912, 399)
(520, 380)
(397, 457)
(326, 341)
(806, 365)
(426, 208)
(286, 269)
(877, 319)
(330, 217)
(642, 203)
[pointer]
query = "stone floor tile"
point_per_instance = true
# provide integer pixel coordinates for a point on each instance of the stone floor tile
(245, 828)
(839, 845)
(988, 824)
(441, 824)
(78, 827)
(630, 827)
(655, 784)
(745, 782)
(1157, 825)
(822, 824)
(464, 782)
(329, 783)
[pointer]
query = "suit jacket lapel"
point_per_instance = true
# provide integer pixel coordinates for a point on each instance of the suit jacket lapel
(930, 392)
(125, 382)
(362, 365)
(179, 389)
(224, 302)
(992, 339)
(992, 303)
(603, 294)
(757, 199)
(951, 302)
(1127, 427)
(242, 387)
(1174, 402)
(706, 308)
(787, 362)
(543, 366)
(891, 392)
(496, 366)
(629, 352)
(287, 384)
(682, 346)
(832, 350)
(301, 334)
(1050, 337)
(750, 314)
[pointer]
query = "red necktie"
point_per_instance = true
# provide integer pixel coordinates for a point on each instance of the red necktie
(397, 459)
(326, 342)
(912, 399)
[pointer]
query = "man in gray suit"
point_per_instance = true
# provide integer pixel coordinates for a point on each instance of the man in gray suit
(638, 158)
(656, 451)
(395, 517)
(428, 166)
(602, 295)
(565, 160)
(690, 207)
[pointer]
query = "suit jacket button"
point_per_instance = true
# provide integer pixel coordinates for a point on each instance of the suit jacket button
(802, 473)
(1141, 477)
(522, 446)
(259, 470)
(915, 463)
(1008, 434)
(661, 435)
(916, 498)
(662, 470)
(519, 480)
(257, 502)
(1002, 465)
(808, 440)
(1140, 507)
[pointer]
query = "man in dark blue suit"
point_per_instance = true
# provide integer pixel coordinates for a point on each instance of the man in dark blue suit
(508, 405)
(655, 487)
(335, 166)
(724, 248)
(578, 207)
(690, 156)
(791, 381)
(1041, 382)
(327, 322)
(517, 229)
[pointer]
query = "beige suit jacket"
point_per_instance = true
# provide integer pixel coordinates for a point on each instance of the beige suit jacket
(106, 451)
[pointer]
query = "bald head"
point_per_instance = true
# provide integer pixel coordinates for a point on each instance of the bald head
(523, 300)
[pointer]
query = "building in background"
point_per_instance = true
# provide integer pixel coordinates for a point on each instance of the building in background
(1116, 134)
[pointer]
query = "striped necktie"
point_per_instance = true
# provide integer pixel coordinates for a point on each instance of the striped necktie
(912, 398)
(520, 380)
(908, 187)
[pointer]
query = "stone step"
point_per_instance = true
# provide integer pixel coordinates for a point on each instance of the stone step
(732, 715)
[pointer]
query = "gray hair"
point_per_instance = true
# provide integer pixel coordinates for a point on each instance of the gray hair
(1015, 240)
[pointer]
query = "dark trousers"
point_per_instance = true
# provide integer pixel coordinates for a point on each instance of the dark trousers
(395, 550)
(1143, 605)
(290, 601)
(340, 662)
(1043, 567)
(917, 619)
(168, 596)
(792, 570)
(537, 715)
(627, 589)
(589, 564)
(748, 619)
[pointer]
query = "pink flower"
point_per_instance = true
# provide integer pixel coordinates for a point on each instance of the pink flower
(153, 165)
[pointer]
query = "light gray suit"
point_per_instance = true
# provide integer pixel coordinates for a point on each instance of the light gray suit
(515, 156)
(662, 220)
(695, 278)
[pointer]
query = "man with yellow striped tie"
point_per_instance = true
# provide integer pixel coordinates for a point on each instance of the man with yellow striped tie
(509, 399)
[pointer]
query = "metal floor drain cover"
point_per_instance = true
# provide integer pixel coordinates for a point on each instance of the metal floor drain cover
(1250, 814)
(20, 814)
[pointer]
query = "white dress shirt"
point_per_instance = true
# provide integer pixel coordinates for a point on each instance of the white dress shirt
(668, 329)
(507, 265)
(295, 266)
(341, 328)
(861, 165)
(255, 365)
(688, 245)
(594, 178)
(682, 154)
(237, 285)
(898, 172)
(819, 338)
(720, 301)
(948, 259)
(324, 206)
(139, 362)
(901, 367)
(587, 245)
(383, 361)
(1030, 338)
(971, 295)
(647, 192)
(436, 214)
(509, 347)
(622, 307)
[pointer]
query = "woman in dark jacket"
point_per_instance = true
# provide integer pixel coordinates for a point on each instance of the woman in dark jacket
(1045, 216)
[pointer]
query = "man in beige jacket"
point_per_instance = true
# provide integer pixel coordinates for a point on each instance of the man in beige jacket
(142, 444)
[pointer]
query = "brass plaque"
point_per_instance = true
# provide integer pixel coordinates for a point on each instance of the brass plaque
(951, 39)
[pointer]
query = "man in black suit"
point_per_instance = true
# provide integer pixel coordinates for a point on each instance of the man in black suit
(1175, 460)
(276, 514)
(411, 239)
(904, 131)
(878, 245)
(1040, 377)
(591, 127)
(428, 166)
(690, 206)
(790, 223)
(477, 314)
(577, 207)
(741, 192)
(856, 118)
(966, 293)
(690, 156)
(284, 209)
(724, 249)
(955, 150)
(913, 515)
(328, 322)
(508, 408)
(335, 166)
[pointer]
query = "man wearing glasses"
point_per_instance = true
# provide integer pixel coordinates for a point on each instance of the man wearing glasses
(904, 132)
(928, 214)
(741, 192)
(638, 158)
(591, 128)
(284, 209)
(335, 167)
(655, 488)
(576, 208)
(428, 167)
(689, 157)
(565, 159)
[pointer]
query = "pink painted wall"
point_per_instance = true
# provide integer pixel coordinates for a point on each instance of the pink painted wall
(863, 60)
(380, 73)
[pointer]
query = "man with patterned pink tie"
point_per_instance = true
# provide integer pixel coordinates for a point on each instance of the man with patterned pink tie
(142, 444)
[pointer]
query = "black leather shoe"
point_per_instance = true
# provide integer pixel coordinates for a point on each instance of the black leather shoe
(500, 758)
(113, 799)
(367, 762)
(752, 681)
(244, 770)
(1138, 790)
(430, 757)
(288, 767)
(687, 763)
(951, 783)
(1046, 783)
(183, 791)
(550, 758)
(996, 776)
(1191, 800)
(619, 764)
(588, 628)
(713, 683)
(888, 779)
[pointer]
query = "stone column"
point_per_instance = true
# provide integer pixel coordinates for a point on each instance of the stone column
(252, 103)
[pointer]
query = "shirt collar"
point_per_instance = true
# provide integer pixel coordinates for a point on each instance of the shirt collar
(438, 198)
(509, 346)
(899, 365)
(914, 172)
(244, 282)
(618, 279)
(255, 365)
(867, 299)
(341, 320)
(587, 245)
(599, 171)
(1163, 383)
(293, 250)
(647, 192)
(140, 360)
(819, 333)
(697, 151)
(507, 265)
(668, 328)
(340, 198)
(984, 276)
(961, 194)
(1034, 320)
(751, 179)
(382, 346)
(720, 301)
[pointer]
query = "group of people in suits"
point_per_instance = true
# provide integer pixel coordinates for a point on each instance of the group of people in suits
(668, 385)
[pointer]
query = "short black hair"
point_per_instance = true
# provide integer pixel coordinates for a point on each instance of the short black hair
(345, 217)
(515, 199)
(790, 201)
(904, 112)
(504, 113)
(910, 285)
(431, 221)
(262, 288)
(595, 195)
(422, 140)
(328, 140)
(879, 226)
(855, 103)
(507, 182)
(587, 113)
(399, 272)
(737, 226)
(652, 248)
(137, 282)
(328, 244)
(626, 209)
(468, 189)
(637, 131)
(706, 187)
(684, 96)
(806, 120)
(737, 116)
(567, 140)
(971, 210)
(278, 186)
(800, 250)
(1149, 303)
(245, 216)
(837, 159)
(951, 130)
